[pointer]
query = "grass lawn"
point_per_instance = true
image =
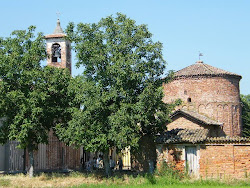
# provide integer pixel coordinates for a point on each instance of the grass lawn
(159, 186)
(78, 180)
(181, 184)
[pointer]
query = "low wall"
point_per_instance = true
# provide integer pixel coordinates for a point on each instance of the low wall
(215, 160)
(225, 161)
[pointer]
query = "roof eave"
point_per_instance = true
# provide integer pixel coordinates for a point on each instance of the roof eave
(194, 118)
(207, 75)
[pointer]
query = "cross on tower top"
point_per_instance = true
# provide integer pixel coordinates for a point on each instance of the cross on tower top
(200, 54)
(58, 14)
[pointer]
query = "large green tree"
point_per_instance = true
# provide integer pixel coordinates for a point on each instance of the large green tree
(121, 86)
(245, 100)
(33, 99)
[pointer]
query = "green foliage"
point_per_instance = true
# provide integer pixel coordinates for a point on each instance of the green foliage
(169, 174)
(245, 100)
(120, 90)
(32, 98)
(151, 178)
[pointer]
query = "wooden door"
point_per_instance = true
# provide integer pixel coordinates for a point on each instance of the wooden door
(191, 160)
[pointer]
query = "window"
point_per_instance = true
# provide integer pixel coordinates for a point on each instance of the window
(56, 53)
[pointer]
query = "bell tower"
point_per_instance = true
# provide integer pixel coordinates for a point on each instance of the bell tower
(58, 49)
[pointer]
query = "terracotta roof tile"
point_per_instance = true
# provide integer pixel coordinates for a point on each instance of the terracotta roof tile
(61, 35)
(183, 136)
(228, 139)
(202, 69)
(193, 136)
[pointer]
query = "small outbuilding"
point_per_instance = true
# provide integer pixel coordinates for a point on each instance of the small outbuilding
(194, 151)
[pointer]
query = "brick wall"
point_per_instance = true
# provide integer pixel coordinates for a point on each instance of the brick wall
(215, 161)
(216, 97)
(60, 156)
(219, 161)
(181, 122)
(55, 156)
(65, 52)
(174, 155)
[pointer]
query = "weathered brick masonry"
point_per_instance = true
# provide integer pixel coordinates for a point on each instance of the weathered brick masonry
(225, 160)
(204, 135)
(56, 155)
(58, 38)
(216, 97)
(215, 160)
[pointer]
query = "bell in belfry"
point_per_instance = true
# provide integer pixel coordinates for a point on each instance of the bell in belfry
(57, 54)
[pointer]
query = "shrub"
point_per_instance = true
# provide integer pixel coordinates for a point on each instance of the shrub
(168, 174)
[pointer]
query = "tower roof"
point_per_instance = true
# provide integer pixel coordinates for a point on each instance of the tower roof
(58, 32)
(58, 29)
(201, 69)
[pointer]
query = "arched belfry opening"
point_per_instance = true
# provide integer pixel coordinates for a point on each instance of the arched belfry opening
(56, 53)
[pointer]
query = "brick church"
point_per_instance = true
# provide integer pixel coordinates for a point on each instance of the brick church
(204, 136)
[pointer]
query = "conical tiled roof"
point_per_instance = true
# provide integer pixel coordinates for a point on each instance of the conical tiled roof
(58, 32)
(202, 69)
(58, 29)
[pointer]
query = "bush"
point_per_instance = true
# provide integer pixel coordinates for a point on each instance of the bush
(168, 174)
(169, 169)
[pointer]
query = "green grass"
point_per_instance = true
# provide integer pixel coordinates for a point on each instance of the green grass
(4, 183)
(147, 181)
(168, 179)
(160, 184)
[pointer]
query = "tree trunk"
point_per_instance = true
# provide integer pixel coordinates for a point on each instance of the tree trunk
(31, 163)
(150, 151)
(151, 167)
(106, 163)
(146, 153)
(24, 160)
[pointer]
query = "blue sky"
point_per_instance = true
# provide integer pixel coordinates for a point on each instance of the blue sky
(220, 29)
